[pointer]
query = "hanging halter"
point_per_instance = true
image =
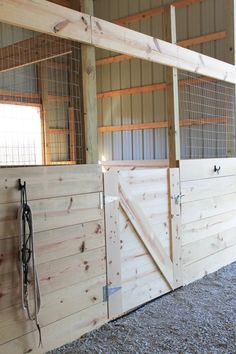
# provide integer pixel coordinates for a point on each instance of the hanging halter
(28, 272)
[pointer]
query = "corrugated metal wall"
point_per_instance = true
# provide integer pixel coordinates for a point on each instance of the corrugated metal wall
(194, 20)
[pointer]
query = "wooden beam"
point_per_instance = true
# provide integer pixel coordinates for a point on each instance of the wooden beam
(140, 16)
(132, 164)
(89, 93)
(161, 124)
(202, 39)
(59, 131)
(46, 17)
(175, 225)
(113, 244)
(113, 59)
(230, 57)
(123, 40)
(34, 97)
(184, 43)
(72, 132)
(153, 12)
(65, 3)
(153, 87)
(132, 90)
(43, 90)
(172, 97)
(56, 20)
(31, 51)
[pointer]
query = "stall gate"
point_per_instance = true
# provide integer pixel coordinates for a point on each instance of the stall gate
(143, 236)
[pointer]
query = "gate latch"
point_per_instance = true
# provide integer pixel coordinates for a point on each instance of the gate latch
(178, 198)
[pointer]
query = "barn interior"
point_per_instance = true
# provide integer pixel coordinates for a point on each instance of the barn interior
(119, 116)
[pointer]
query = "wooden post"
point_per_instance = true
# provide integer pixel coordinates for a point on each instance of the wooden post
(43, 89)
(172, 92)
(89, 92)
(113, 243)
(230, 57)
(175, 225)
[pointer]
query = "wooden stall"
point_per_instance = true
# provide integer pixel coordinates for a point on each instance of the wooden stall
(208, 207)
(70, 255)
(166, 227)
(109, 242)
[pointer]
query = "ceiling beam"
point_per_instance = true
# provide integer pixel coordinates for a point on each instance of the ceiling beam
(66, 23)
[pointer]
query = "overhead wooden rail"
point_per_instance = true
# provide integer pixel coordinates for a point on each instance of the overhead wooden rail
(184, 43)
(66, 23)
(161, 124)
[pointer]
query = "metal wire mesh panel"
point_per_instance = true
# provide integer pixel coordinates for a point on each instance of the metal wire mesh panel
(40, 99)
(207, 117)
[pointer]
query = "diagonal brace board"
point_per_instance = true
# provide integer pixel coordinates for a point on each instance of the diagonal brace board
(146, 233)
(47, 17)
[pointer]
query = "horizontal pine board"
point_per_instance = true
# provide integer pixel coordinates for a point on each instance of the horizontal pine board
(46, 182)
(204, 168)
(52, 213)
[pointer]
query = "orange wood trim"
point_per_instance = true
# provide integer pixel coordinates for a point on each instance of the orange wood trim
(155, 11)
(62, 163)
(11, 94)
(58, 98)
(132, 90)
(178, 4)
(60, 131)
(114, 59)
(150, 88)
(162, 124)
(202, 39)
(140, 16)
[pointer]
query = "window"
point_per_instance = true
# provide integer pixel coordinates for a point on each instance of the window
(20, 135)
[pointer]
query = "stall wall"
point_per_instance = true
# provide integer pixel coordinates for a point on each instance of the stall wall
(208, 210)
(192, 21)
(70, 254)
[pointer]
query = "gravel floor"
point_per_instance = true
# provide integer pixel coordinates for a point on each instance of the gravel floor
(197, 319)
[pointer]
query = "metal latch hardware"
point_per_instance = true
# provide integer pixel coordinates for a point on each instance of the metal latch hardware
(107, 292)
(178, 198)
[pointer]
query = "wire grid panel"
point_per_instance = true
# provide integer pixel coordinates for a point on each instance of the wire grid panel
(207, 117)
(41, 74)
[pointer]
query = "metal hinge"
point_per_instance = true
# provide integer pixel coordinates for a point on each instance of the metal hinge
(101, 200)
(110, 199)
(106, 199)
(107, 292)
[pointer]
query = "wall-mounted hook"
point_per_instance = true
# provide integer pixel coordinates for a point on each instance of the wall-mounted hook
(217, 169)
(20, 185)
